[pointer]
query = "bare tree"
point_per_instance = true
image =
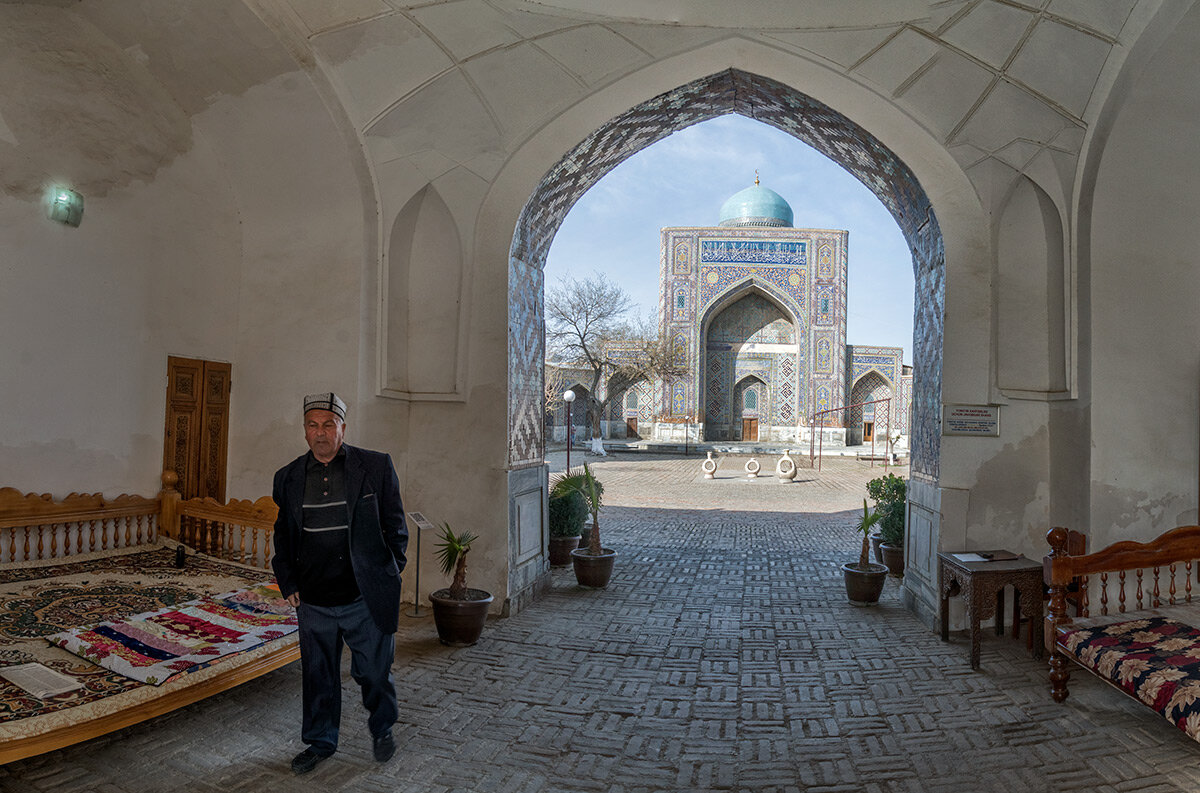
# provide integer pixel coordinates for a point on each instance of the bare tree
(587, 327)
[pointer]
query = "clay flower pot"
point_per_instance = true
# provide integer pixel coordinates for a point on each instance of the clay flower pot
(560, 549)
(593, 571)
(864, 586)
(893, 557)
(460, 622)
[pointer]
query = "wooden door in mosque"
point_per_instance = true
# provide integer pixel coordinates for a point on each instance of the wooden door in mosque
(749, 429)
(196, 436)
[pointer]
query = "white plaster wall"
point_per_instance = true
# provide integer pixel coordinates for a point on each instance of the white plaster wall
(89, 315)
(1145, 283)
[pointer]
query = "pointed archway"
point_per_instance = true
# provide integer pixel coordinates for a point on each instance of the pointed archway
(773, 103)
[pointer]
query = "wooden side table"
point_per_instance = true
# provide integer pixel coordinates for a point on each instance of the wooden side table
(982, 586)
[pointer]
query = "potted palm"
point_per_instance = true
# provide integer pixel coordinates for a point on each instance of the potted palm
(593, 564)
(567, 513)
(891, 495)
(458, 612)
(864, 579)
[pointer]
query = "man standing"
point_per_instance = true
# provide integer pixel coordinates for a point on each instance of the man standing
(339, 551)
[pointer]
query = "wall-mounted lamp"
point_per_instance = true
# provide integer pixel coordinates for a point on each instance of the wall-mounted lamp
(65, 206)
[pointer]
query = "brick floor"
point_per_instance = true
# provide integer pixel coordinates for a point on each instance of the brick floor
(722, 657)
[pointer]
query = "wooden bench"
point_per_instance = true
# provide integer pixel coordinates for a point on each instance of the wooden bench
(37, 528)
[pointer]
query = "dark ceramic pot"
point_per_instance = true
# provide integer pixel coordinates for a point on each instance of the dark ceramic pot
(876, 540)
(460, 622)
(893, 557)
(863, 587)
(560, 550)
(593, 571)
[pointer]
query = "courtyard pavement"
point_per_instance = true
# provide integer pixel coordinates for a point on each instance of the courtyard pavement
(722, 657)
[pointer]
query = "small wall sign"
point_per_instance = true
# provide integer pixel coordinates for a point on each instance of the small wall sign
(422, 522)
(980, 420)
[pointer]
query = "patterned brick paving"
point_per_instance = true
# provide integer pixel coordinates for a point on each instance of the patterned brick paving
(723, 657)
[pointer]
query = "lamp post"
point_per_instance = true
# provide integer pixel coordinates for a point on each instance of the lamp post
(569, 398)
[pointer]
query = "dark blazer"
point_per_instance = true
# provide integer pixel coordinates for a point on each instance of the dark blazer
(378, 534)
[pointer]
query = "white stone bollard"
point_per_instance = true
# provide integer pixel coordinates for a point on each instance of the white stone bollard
(752, 468)
(709, 467)
(785, 469)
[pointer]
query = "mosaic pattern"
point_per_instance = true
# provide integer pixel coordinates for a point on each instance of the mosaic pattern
(716, 281)
(526, 365)
(823, 310)
(785, 382)
(679, 399)
(825, 261)
(716, 387)
(824, 357)
(822, 400)
(752, 319)
(786, 109)
(723, 251)
(683, 257)
(888, 361)
(869, 388)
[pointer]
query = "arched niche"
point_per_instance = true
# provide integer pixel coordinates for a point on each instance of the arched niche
(422, 302)
(749, 315)
(1031, 297)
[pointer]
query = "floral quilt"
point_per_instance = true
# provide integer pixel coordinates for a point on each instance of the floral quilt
(161, 645)
(1155, 659)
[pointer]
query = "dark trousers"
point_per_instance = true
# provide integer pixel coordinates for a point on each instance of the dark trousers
(323, 630)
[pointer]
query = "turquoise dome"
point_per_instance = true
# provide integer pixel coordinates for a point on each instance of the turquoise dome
(756, 206)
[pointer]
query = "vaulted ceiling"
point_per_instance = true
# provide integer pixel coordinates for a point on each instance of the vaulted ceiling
(1008, 86)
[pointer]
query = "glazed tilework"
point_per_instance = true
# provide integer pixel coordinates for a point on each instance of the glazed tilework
(784, 108)
(526, 363)
(752, 319)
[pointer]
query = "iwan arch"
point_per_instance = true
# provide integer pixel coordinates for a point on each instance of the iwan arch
(332, 195)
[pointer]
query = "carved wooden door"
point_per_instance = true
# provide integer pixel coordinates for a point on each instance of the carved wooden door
(631, 427)
(197, 427)
(749, 429)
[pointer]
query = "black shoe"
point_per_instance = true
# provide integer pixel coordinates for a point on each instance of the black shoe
(384, 747)
(306, 761)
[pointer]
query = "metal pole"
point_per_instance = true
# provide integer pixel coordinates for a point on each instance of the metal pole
(416, 612)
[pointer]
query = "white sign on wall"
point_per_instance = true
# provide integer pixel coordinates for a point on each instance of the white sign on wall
(979, 420)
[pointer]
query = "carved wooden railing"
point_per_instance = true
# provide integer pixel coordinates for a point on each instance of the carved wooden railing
(36, 527)
(239, 530)
(1159, 573)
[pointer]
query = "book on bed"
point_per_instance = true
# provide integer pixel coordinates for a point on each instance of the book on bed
(40, 681)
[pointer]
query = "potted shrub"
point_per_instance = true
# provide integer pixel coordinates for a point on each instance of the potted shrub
(567, 513)
(864, 578)
(458, 612)
(891, 495)
(593, 564)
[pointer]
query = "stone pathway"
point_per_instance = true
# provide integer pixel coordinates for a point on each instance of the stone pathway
(722, 657)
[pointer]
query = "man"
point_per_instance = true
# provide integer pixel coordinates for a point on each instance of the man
(339, 551)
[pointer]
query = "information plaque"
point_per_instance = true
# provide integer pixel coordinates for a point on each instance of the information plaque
(979, 420)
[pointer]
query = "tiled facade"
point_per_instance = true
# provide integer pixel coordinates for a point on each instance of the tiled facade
(782, 107)
(747, 302)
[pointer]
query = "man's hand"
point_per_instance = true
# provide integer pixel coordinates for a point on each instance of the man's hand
(294, 600)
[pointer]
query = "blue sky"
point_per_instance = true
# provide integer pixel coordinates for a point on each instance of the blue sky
(682, 181)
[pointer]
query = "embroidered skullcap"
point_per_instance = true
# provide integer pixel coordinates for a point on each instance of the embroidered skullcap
(328, 401)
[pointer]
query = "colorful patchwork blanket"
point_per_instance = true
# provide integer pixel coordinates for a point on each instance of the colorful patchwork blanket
(1155, 659)
(158, 646)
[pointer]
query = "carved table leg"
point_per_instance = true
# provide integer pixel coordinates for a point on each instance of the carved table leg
(1000, 611)
(1031, 607)
(972, 596)
(944, 603)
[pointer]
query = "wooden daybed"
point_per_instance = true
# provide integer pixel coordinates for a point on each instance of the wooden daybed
(59, 557)
(1137, 625)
